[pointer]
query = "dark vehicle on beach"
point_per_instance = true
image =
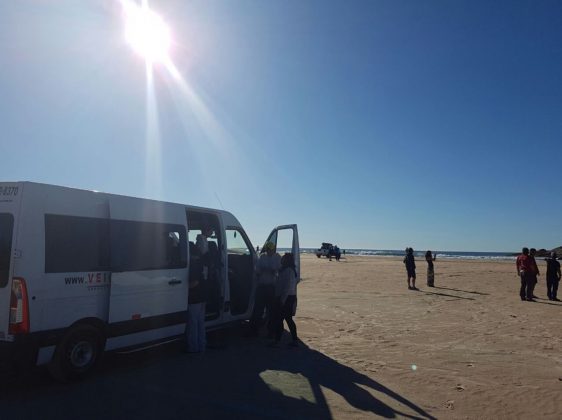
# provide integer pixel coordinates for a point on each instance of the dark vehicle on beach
(328, 250)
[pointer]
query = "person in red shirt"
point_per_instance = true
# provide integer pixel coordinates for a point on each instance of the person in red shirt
(523, 270)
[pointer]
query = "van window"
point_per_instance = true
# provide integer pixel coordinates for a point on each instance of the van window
(137, 246)
(193, 233)
(6, 232)
(76, 244)
(236, 242)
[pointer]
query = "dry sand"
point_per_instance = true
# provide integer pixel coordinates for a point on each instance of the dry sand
(478, 351)
(468, 348)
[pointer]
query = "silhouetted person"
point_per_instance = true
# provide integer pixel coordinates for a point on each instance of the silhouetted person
(197, 298)
(552, 276)
(429, 257)
(267, 268)
(410, 264)
(534, 272)
(286, 299)
(523, 264)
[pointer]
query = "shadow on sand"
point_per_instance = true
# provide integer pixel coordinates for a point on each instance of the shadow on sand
(446, 295)
(246, 380)
(545, 302)
(464, 291)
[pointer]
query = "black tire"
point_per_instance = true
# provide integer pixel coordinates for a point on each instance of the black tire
(318, 255)
(78, 354)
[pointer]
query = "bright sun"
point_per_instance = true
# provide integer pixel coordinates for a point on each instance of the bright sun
(146, 32)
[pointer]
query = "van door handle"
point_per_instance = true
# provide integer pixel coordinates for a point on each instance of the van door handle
(174, 281)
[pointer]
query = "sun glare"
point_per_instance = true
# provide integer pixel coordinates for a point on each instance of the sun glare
(146, 32)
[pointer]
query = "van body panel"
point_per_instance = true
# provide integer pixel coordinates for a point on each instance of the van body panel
(142, 292)
(10, 201)
(135, 339)
(241, 265)
(57, 299)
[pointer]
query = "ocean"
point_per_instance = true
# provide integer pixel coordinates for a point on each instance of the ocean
(462, 255)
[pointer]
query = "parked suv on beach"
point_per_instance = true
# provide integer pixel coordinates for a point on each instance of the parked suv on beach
(326, 250)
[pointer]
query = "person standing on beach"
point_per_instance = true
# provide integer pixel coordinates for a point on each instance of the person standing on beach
(429, 257)
(552, 276)
(286, 299)
(534, 272)
(267, 270)
(523, 264)
(410, 264)
(197, 298)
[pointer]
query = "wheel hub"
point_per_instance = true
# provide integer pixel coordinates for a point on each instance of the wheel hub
(82, 354)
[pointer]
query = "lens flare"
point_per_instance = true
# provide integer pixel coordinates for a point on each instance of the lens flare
(146, 32)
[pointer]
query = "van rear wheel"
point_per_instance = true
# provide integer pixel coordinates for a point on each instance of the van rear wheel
(77, 354)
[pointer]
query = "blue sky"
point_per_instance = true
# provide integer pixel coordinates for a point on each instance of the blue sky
(371, 124)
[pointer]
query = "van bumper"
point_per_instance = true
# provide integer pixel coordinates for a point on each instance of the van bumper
(17, 352)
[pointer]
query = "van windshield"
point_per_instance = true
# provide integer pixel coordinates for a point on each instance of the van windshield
(6, 230)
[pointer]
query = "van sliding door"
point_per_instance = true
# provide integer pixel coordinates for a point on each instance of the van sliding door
(148, 299)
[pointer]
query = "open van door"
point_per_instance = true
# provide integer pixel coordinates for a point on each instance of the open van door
(149, 279)
(287, 236)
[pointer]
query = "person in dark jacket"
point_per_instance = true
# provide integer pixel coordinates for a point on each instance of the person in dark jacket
(429, 257)
(534, 273)
(410, 264)
(552, 276)
(200, 273)
(195, 329)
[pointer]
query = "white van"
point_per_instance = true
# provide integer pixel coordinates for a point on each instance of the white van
(82, 272)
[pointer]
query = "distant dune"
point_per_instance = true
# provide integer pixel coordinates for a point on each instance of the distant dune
(545, 252)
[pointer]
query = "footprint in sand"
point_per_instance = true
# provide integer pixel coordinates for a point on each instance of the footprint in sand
(450, 405)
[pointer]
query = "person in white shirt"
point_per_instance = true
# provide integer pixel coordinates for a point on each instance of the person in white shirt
(267, 268)
(286, 299)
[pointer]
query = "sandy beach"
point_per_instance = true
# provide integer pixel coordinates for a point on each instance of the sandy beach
(371, 348)
(468, 348)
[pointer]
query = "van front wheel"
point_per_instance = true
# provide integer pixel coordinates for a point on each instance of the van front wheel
(77, 354)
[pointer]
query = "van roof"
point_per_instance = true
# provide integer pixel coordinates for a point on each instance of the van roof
(40, 184)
